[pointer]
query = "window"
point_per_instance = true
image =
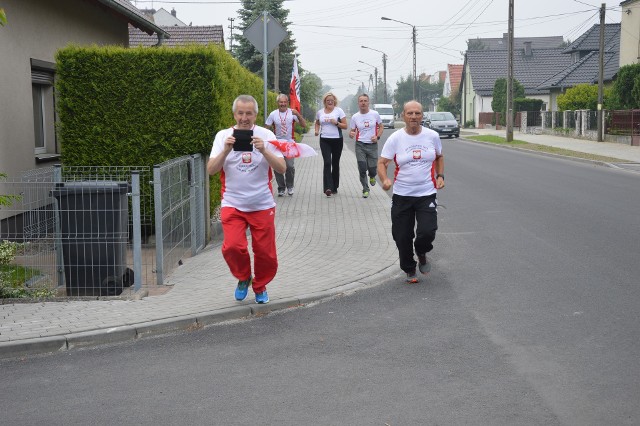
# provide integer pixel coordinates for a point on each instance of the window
(42, 78)
(38, 118)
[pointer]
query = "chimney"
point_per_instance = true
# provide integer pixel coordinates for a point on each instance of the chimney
(173, 12)
(527, 49)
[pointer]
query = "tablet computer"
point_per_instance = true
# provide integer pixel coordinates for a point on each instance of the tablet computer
(243, 140)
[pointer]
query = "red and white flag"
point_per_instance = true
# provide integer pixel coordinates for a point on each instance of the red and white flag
(292, 149)
(294, 87)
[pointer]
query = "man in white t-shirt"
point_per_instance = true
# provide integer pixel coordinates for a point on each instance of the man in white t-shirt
(247, 198)
(366, 128)
(282, 121)
(417, 153)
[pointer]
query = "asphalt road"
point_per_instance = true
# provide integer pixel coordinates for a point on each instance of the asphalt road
(529, 317)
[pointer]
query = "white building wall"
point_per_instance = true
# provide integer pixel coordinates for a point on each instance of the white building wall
(630, 34)
(36, 29)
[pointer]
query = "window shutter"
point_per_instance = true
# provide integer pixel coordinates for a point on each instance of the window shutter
(41, 77)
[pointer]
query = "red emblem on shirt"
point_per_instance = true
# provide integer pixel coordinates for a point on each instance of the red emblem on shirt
(417, 154)
(246, 157)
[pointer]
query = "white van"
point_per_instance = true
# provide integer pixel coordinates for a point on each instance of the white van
(386, 114)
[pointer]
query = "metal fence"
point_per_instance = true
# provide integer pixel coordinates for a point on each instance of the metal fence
(625, 122)
(89, 231)
(179, 193)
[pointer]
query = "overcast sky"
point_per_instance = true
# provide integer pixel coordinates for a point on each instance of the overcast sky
(329, 33)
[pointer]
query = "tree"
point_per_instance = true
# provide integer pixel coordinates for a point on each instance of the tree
(403, 92)
(310, 93)
(625, 93)
(450, 103)
(3, 17)
(429, 93)
(251, 58)
(476, 44)
(581, 96)
(499, 102)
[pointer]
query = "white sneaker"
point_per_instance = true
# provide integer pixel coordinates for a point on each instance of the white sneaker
(290, 191)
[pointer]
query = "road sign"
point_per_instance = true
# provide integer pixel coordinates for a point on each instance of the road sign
(275, 34)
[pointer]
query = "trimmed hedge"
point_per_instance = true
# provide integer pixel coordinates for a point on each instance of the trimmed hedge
(142, 106)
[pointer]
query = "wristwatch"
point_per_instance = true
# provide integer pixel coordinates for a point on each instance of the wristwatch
(439, 175)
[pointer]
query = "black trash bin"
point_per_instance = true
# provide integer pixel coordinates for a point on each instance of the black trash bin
(93, 218)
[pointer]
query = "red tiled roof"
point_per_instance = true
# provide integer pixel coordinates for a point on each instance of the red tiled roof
(455, 75)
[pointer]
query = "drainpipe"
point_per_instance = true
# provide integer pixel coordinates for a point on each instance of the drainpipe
(160, 39)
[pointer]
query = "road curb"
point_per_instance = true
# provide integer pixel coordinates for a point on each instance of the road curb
(47, 345)
(546, 154)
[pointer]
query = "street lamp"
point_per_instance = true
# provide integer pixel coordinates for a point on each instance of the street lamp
(375, 85)
(384, 69)
(414, 50)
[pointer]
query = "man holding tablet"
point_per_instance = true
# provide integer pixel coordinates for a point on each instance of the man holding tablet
(245, 159)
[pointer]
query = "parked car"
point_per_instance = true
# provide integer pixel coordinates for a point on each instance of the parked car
(442, 122)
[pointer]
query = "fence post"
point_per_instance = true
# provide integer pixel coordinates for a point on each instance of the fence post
(523, 121)
(57, 178)
(137, 230)
(192, 203)
(157, 203)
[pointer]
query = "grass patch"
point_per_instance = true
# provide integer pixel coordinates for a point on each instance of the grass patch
(499, 140)
(12, 279)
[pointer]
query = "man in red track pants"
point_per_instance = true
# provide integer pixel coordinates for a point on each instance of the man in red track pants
(247, 198)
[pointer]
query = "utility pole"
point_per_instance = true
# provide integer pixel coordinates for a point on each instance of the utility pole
(276, 69)
(231, 35)
(375, 85)
(601, 73)
(384, 69)
(415, 82)
(509, 117)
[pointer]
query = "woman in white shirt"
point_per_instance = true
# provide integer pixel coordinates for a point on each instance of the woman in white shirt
(330, 121)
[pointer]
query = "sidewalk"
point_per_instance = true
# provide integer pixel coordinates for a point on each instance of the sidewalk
(326, 246)
(607, 149)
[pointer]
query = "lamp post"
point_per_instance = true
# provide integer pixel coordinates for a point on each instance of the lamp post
(384, 69)
(375, 83)
(414, 50)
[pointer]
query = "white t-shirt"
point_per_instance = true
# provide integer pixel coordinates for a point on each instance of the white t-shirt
(365, 125)
(327, 129)
(414, 156)
(246, 176)
(283, 122)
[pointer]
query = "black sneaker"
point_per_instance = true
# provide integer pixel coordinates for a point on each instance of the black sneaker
(423, 264)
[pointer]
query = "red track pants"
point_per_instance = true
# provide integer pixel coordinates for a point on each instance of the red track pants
(263, 242)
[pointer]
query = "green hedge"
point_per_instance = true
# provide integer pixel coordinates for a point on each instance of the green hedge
(142, 106)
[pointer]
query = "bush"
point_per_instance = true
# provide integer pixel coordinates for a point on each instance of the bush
(140, 107)
(581, 96)
(625, 93)
(527, 104)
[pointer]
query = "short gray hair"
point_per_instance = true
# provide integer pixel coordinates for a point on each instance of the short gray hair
(245, 99)
(282, 95)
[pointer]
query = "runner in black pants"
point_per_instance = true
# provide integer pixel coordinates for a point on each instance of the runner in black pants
(417, 152)
(329, 123)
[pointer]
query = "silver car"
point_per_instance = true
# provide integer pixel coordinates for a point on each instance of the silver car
(442, 122)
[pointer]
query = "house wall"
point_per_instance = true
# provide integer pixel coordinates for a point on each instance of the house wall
(35, 30)
(630, 34)
(468, 106)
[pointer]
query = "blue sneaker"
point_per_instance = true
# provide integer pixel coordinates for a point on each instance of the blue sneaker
(243, 289)
(262, 297)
